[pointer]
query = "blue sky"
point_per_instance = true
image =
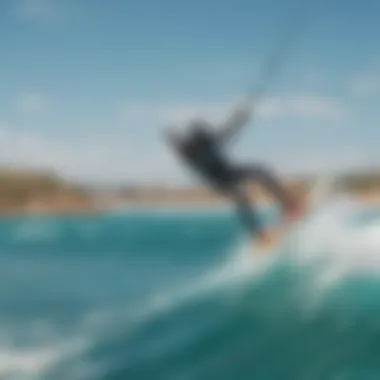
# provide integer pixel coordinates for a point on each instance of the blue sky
(87, 85)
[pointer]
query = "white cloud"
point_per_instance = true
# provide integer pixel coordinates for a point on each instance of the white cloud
(366, 84)
(302, 106)
(298, 105)
(323, 160)
(37, 9)
(163, 113)
(181, 113)
(102, 158)
(31, 103)
(52, 12)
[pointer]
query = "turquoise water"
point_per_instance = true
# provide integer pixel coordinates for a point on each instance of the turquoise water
(178, 295)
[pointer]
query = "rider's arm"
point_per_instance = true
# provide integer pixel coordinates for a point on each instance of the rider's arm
(233, 124)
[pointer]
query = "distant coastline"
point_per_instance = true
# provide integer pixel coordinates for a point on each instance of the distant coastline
(27, 192)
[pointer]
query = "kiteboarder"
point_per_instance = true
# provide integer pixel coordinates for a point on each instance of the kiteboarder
(202, 147)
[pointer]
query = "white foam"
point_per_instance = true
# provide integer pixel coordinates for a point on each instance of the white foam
(17, 362)
(346, 249)
(29, 363)
(46, 347)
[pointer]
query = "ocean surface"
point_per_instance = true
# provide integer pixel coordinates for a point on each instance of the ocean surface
(179, 295)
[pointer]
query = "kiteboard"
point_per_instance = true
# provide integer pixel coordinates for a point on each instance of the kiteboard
(319, 193)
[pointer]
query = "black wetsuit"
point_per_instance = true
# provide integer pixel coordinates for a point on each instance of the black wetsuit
(201, 151)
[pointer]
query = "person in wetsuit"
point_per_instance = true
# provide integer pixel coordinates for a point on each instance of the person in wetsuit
(202, 149)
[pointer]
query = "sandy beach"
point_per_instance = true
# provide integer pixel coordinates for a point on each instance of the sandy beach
(26, 192)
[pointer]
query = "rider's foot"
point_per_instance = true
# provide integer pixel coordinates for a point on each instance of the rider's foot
(294, 210)
(265, 238)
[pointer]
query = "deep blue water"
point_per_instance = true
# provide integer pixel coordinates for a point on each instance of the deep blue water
(178, 295)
